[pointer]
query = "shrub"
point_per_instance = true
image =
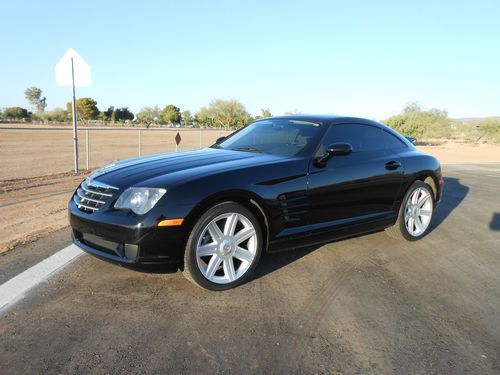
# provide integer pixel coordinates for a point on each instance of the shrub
(420, 124)
(487, 130)
(16, 113)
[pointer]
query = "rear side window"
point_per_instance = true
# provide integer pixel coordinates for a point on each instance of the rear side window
(360, 137)
(392, 142)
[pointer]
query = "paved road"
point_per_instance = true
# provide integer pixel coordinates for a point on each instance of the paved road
(366, 305)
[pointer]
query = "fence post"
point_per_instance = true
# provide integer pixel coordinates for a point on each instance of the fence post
(140, 142)
(87, 147)
(201, 138)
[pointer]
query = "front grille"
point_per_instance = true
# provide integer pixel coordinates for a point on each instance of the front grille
(91, 195)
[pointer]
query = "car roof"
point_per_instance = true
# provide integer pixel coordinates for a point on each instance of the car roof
(336, 119)
(327, 119)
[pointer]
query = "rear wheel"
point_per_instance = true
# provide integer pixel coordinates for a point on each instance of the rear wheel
(415, 214)
(223, 248)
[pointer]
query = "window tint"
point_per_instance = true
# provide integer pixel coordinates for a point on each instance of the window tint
(281, 137)
(392, 142)
(360, 137)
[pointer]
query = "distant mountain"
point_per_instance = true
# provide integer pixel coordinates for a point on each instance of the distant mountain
(466, 120)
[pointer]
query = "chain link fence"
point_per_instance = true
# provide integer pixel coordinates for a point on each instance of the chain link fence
(27, 152)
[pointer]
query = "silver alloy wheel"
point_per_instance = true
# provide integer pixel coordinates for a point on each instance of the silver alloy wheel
(224, 255)
(418, 212)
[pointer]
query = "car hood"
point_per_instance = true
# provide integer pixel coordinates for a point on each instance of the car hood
(173, 167)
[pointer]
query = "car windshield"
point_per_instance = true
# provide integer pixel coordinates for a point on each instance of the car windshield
(280, 137)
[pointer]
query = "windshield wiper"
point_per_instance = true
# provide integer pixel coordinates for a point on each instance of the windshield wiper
(249, 149)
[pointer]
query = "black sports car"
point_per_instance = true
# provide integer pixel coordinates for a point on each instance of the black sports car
(276, 184)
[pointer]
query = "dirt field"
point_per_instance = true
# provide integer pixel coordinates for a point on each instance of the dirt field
(453, 152)
(34, 207)
(36, 180)
(28, 153)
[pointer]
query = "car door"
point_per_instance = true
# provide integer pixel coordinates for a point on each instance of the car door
(357, 187)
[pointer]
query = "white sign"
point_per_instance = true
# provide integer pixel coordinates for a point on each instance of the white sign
(65, 68)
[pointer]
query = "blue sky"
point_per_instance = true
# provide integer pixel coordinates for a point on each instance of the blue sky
(362, 58)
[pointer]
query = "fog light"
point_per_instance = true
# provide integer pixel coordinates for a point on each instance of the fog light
(131, 251)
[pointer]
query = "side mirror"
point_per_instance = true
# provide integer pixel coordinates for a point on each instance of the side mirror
(411, 139)
(220, 140)
(337, 149)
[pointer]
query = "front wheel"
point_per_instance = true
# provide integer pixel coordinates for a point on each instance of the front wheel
(415, 214)
(223, 248)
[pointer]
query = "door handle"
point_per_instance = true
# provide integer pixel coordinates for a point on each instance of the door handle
(392, 165)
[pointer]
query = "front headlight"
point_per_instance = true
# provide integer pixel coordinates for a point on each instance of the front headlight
(139, 200)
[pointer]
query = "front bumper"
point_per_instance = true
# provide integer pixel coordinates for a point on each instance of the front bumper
(121, 238)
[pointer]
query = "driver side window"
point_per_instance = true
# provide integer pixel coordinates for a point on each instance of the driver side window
(360, 137)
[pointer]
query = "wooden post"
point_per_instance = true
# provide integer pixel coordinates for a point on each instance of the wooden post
(140, 142)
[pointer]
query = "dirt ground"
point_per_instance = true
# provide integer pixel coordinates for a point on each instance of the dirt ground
(27, 152)
(367, 305)
(36, 182)
(455, 152)
(45, 150)
(34, 207)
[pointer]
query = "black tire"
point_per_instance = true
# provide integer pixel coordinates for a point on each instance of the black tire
(191, 269)
(399, 230)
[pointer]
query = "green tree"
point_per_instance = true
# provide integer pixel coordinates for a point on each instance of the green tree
(16, 113)
(205, 116)
(86, 109)
(34, 97)
(264, 113)
(186, 117)
(109, 115)
(123, 114)
(170, 115)
(226, 113)
(294, 111)
(148, 115)
(102, 116)
(421, 124)
(57, 115)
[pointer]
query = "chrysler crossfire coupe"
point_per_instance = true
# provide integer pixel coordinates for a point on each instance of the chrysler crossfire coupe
(276, 184)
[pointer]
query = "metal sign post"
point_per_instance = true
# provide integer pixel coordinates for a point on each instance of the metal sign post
(73, 71)
(75, 133)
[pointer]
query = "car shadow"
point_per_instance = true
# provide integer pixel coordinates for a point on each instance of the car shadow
(453, 195)
(270, 262)
(154, 268)
(495, 221)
